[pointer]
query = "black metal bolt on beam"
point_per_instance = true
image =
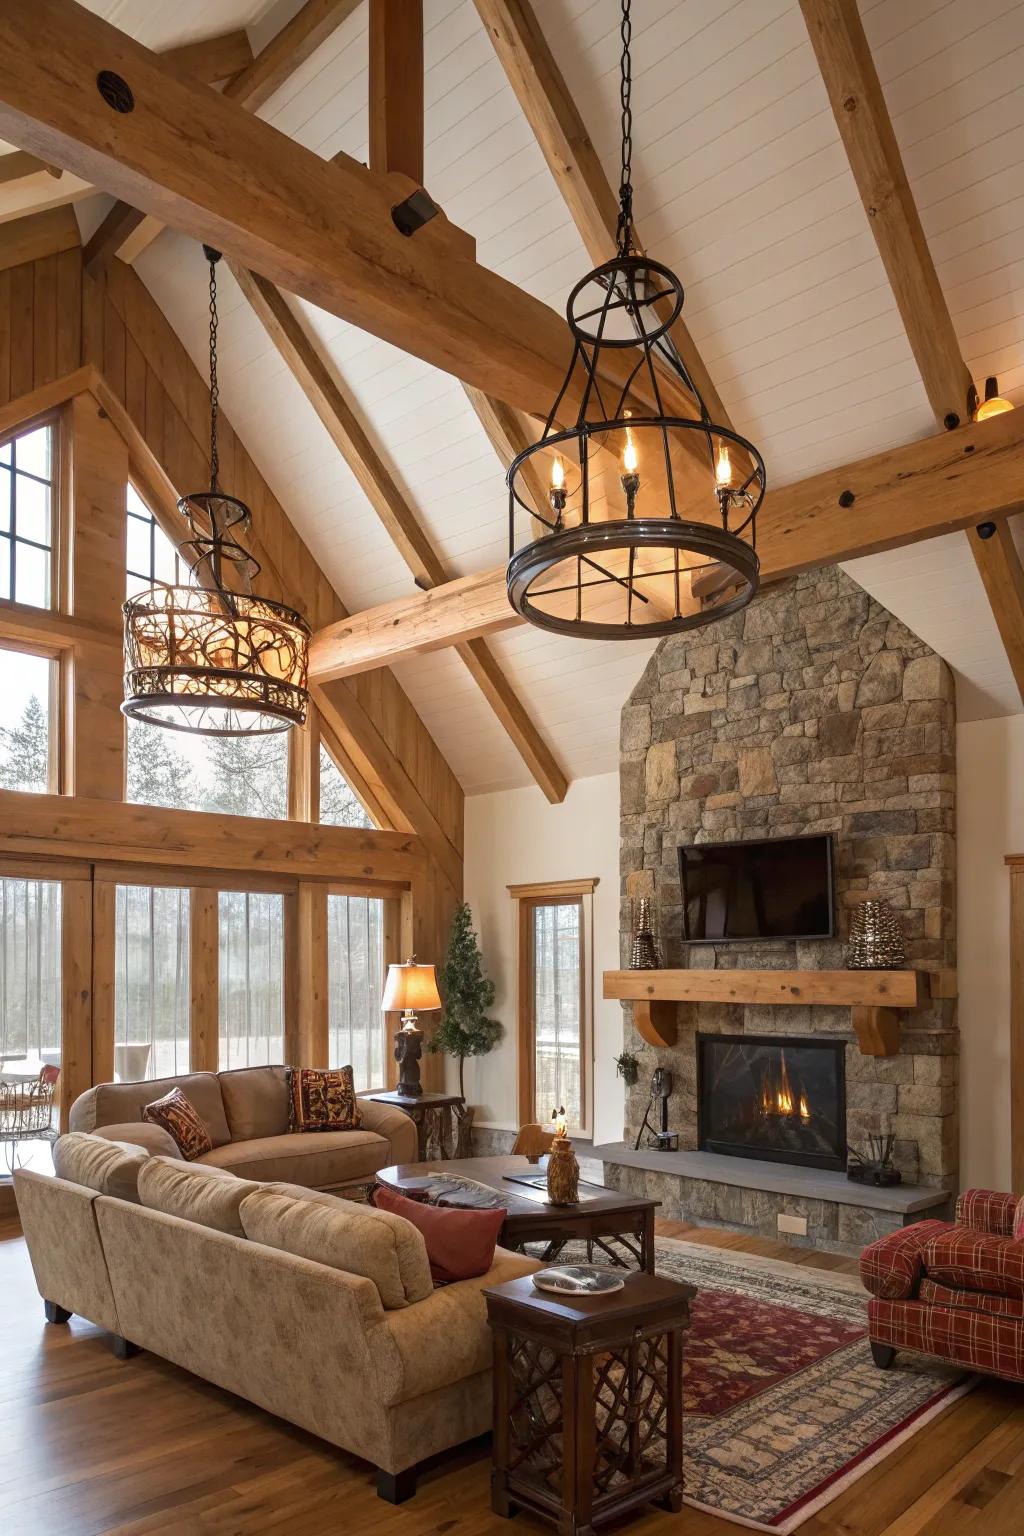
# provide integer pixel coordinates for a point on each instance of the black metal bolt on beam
(417, 209)
(115, 90)
(950, 421)
(985, 530)
(846, 498)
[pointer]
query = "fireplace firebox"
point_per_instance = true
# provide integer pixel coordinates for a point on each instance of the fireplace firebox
(781, 1098)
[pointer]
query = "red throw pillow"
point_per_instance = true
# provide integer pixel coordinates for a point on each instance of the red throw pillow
(180, 1118)
(460, 1244)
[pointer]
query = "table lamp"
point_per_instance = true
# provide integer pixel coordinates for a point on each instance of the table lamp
(410, 988)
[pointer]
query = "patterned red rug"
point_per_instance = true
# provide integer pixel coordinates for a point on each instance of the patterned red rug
(784, 1406)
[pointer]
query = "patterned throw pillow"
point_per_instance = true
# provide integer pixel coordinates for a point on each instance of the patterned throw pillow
(322, 1101)
(180, 1119)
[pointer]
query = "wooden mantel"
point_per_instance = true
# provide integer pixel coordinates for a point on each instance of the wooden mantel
(872, 996)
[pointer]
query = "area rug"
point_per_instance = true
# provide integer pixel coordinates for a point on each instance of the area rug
(784, 1406)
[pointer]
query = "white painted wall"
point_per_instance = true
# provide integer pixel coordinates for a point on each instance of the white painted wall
(990, 824)
(515, 837)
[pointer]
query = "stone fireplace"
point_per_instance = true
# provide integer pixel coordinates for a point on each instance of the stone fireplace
(814, 710)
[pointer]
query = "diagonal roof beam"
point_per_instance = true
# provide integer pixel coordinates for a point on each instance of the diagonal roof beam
(320, 229)
(855, 92)
(412, 542)
(898, 497)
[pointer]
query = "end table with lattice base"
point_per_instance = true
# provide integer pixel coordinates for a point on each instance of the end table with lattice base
(588, 1400)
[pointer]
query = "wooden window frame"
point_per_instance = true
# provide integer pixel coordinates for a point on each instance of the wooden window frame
(59, 520)
(528, 898)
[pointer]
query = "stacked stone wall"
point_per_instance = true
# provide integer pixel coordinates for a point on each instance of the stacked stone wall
(814, 710)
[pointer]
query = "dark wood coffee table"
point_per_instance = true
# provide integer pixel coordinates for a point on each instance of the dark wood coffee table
(614, 1227)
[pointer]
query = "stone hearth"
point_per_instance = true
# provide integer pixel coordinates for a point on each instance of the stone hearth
(812, 711)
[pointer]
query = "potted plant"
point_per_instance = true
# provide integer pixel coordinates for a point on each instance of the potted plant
(628, 1067)
(466, 994)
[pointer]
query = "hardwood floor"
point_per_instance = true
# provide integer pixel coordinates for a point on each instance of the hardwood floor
(92, 1447)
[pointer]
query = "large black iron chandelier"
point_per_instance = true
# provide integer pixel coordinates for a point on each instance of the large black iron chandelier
(206, 658)
(622, 548)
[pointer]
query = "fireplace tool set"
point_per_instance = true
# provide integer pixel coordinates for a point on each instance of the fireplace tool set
(875, 1165)
(661, 1091)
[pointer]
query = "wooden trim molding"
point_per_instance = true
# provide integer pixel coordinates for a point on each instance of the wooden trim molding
(1015, 863)
(553, 890)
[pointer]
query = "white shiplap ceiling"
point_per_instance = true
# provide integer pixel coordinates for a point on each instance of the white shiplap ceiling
(742, 185)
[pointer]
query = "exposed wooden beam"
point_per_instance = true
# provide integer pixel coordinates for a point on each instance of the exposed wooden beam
(321, 229)
(17, 165)
(297, 41)
(551, 111)
(110, 235)
(855, 92)
(213, 58)
(396, 87)
(398, 517)
(938, 485)
(858, 103)
(999, 566)
(38, 234)
(250, 81)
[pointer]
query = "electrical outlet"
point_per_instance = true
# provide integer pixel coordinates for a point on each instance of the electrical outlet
(796, 1225)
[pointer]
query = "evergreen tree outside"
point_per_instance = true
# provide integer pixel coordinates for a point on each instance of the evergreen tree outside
(158, 774)
(26, 762)
(466, 993)
(248, 775)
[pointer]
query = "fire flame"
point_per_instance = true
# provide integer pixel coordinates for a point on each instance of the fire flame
(779, 1098)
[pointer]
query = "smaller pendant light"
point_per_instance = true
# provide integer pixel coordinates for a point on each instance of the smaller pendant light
(206, 658)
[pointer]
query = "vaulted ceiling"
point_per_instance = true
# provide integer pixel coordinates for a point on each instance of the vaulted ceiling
(744, 187)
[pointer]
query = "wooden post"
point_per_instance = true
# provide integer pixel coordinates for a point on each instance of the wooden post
(311, 1043)
(204, 978)
(76, 984)
(104, 933)
(95, 526)
(304, 769)
(1017, 1026)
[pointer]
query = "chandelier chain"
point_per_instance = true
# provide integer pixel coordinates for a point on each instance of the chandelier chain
(624, 231)
(213, 257)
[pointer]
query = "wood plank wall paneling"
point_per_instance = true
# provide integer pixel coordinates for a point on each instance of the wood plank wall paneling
(40, 306)
(126, 336)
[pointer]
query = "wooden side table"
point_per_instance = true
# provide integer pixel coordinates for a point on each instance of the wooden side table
(588, 1400)
(442, 1125)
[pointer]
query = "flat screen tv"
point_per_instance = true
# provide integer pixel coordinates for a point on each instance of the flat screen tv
(781, 888)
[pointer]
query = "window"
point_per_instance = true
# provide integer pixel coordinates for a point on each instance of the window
(242, 776)
(355, 986)
(25, 750)
(26, 518)
(251, 979)
(338, 804)
(151, 982)
(30, 998)
(553, 1000)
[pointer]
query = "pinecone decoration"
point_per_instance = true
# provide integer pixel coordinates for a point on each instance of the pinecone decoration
(876, 938)
(644, 953)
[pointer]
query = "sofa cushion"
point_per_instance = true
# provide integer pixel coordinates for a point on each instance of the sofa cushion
(153, 1138)
(108, 1167)
(986, 1210)
(966, 1260)
(255, 1102)
(321, 1100)
(114, 1103)
(354, 1238)
(1018, 1221)
(891, 1267)
(935, 1295)
(460, 1244)
(180, 1118)
(211, 1197)
(319, 1160)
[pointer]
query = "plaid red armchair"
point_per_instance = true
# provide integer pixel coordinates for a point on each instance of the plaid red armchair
(952, 1291)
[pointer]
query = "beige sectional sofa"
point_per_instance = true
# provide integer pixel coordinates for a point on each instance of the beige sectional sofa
(246, 1114)
(315, 1308)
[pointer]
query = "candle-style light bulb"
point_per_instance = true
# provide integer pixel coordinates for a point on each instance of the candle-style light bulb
(630, 477)
(556, 490)
(723, 468)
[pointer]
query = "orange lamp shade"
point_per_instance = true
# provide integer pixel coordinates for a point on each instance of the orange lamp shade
(410, 988)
